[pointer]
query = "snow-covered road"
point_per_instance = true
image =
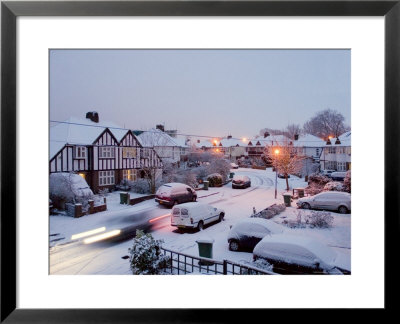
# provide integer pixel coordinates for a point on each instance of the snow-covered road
(107, 257)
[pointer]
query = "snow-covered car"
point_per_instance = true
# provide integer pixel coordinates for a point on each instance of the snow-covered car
(240, 181)
(338, 176)
(234, 166)
(283, 175)
(245, 234)
(195, 215)
(294, 254)
(327, 173)
(331, 200)
(174, 193)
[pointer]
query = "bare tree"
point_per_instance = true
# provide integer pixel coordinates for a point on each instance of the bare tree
(326, 123)
(285, 160)
(292, 130)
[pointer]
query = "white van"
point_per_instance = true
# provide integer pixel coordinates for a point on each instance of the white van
(195, 215)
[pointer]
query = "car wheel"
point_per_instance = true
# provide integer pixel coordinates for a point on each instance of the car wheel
(221, 217)
(233, 245)
(306, 206)
(343, 210)
(200, 226)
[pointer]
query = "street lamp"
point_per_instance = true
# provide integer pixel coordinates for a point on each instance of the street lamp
(276, 172)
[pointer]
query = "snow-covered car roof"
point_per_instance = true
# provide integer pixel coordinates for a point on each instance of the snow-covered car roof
(167, 187)
(295, 249)
(257, 227)
(241, 177)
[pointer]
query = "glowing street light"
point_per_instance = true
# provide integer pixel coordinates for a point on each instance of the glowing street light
(244, 139)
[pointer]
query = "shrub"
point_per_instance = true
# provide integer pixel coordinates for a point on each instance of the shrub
(146, 256)
(318, 179)
(141, 186)
(220, 166)
(214, 180)
(319, 219)
(347, 182)
(333, 186)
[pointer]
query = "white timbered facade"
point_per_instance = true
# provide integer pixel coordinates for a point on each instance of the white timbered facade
(114, 155)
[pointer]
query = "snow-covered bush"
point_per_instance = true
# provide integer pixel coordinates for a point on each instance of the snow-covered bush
(104, 192)
(145, 255)
(347, 182)
(69, 188)
(333, 186)
(140, 186)
(319, 219)
(318, 178)
(214, 180)
(316, 183)
(220, 166)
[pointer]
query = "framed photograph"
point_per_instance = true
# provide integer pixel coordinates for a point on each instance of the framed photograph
(113, 111)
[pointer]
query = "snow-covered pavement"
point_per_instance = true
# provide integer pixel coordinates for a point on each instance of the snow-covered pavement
(106, 257)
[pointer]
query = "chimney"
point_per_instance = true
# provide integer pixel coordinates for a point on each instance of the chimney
(266, 134)
(229, 137)
(160, 127)
(296, 137)
(93, 116)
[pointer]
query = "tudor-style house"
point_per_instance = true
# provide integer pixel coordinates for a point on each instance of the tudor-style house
(336, 154)
(102, 153)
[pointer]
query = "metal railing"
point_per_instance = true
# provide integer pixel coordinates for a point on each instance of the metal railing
(181, 264)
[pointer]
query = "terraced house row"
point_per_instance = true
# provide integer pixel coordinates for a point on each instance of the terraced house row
(102, 153)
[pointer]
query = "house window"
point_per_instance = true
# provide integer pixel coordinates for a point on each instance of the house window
(106, 152)
(80, 152)
(128, 152)
(129, 174)
(145, 153)
(106, 178)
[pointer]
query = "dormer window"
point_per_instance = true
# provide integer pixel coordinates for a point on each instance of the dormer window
(80, 152)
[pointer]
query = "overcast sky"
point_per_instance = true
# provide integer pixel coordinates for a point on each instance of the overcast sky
(202, 92)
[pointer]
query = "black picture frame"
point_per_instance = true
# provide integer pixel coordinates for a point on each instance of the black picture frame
(10, 10)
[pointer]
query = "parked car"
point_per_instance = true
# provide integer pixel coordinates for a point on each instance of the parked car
(332, 200)
(234, 166)
(245, 234)
(338, 176)
(195, 215)
(283, 175)
(327, 173)
(173, 193)
(240, 181)
(294, 254)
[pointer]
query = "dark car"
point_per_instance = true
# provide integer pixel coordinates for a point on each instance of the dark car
(294, 254)
(239, 181)
(171, 194)
(283, 175)
(245, 234)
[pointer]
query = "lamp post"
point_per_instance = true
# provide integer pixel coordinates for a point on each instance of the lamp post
(276, 172)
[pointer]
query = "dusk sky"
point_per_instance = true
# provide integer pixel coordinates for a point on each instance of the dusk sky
(201, 92)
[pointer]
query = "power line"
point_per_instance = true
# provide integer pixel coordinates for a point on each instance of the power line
(184, 134)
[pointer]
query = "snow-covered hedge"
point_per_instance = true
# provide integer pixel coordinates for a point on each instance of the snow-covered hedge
(318, 179)
(214, 180)
(69, 188)
(146, 256)
(334, 186)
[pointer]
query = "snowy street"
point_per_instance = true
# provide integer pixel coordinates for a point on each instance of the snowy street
(75, 257)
